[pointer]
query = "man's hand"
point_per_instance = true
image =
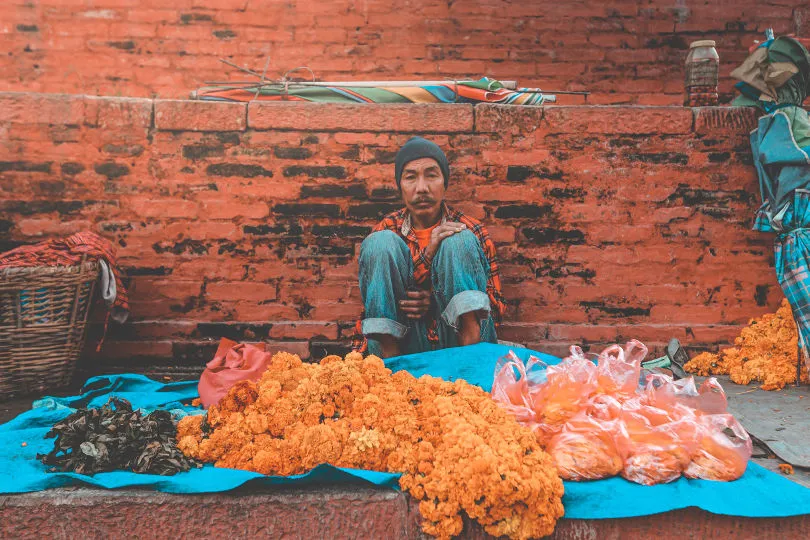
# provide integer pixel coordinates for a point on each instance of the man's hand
(440, 233)
(417, 305)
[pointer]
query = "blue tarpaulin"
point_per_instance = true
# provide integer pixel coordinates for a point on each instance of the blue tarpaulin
(759, 493)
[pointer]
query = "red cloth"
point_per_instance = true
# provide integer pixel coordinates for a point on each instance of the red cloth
(69, 252)
(232, 363)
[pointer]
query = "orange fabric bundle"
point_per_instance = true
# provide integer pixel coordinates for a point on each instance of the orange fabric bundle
(597, 421)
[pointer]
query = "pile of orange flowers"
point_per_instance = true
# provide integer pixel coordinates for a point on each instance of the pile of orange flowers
(459, 452)
(765, 351)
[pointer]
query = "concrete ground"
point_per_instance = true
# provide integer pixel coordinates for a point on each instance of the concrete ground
(779, 422)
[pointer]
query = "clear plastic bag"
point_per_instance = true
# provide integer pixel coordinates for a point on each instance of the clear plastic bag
(662, 391)
(724, 448)
(585, 449)
(591, 414)
(604, 407)
(619, 368)
(655, 448)
(510, 388)
(710, 397)
(567, 389)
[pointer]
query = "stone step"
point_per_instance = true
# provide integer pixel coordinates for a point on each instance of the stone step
(347, 511)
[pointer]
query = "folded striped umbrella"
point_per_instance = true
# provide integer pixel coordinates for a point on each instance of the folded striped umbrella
(482, 91)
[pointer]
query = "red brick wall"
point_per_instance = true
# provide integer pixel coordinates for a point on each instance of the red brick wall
(245, 221)
(627, 51)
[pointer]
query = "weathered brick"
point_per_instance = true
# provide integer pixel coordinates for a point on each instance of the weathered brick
(111, 169)
(372, 210)
(301, 348)
(514, 211)
(636, 120)
(309, 209)
(341, 231)
(176, 115)
(339, 117)
(25, 166)
(202, 151)
(711, 120)
(50, 227)
(239, 290)
(164, 208)
(54, 109)
(355, 191)
(237, 169)
(280, 229)
(303, 330)
(329, 171)
(230, 210)
(494, 118)
(130, 115)
(553, 236)
(282, 152)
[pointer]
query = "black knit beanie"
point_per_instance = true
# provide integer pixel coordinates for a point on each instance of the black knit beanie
(418, 148)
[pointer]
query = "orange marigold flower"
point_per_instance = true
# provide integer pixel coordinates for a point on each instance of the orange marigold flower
(765, 351)
(460, 454)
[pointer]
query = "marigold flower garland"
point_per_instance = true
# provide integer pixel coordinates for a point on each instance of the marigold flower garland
(765, 351)
(459, 452)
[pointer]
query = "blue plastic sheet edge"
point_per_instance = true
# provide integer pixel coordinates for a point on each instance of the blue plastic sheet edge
(759, 493)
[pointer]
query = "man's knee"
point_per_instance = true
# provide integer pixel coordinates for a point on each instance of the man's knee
(461, 244)
(381, 243)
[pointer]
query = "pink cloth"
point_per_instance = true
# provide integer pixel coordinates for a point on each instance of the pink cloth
(233, 362)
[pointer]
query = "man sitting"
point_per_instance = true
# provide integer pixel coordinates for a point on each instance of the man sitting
(428, 273)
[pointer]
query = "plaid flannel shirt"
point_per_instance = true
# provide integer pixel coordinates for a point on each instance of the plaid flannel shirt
(400, 223)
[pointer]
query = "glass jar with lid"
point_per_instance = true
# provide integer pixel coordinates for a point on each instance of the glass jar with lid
(702, 74)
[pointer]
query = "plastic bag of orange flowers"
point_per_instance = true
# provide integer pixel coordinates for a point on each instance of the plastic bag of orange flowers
(597, 419)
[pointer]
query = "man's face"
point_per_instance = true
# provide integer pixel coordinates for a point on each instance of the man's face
(422, 187)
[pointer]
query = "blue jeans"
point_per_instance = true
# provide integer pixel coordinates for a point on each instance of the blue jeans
(459, 274)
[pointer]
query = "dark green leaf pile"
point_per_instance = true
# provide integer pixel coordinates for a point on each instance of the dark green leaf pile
(114, 437)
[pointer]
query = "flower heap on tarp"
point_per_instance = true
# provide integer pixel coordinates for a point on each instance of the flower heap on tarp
(461, 454)
(596, 422)
(765, 351)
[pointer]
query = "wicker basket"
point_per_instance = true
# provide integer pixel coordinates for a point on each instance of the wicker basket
(43, 319)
